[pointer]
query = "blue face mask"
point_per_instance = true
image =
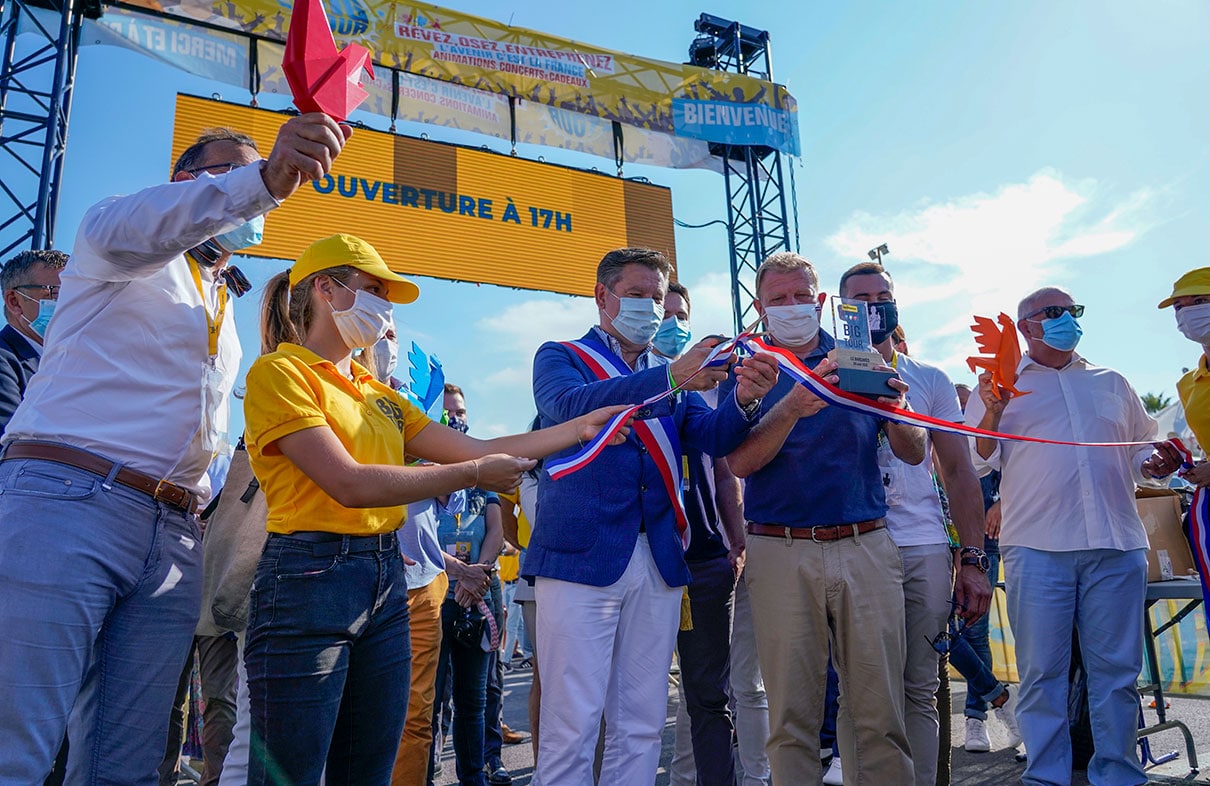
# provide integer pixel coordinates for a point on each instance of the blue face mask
(246, 235)
(1062, 334)
(672, 337)
(46, 310)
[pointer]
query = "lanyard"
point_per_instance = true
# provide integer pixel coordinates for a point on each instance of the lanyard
(895, 359)
(213, 324)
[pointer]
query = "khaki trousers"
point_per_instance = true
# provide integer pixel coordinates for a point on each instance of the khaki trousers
(424, 608)
(849, 593)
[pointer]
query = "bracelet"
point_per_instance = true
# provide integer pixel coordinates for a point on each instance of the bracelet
(671, 380)
(475, 464)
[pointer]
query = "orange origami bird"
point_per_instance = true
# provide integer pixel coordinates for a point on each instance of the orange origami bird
(321, 78)
(1001, 343)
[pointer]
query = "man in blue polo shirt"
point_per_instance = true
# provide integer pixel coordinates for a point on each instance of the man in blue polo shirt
(821, 565)
(607, 548)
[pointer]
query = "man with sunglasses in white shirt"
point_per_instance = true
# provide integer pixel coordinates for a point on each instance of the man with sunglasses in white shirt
(104, 463)
(1073, 545)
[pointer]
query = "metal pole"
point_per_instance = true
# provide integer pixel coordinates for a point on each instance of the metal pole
(56, 125)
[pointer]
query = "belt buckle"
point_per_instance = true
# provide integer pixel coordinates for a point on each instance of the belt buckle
(158, 486)
(814, 538)
(384, 541)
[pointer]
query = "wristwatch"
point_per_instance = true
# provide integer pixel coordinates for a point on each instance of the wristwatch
(750, 409)
(975, 556)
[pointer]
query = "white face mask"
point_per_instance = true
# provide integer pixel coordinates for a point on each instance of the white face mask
(364, 322)
(386, 354)
(638, 319)
(795, 325)
(1194, 323)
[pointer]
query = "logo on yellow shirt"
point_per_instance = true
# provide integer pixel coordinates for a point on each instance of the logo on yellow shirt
(392, 411)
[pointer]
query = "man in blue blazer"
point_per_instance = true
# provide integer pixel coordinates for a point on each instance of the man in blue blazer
(30, 282)
(608, 545)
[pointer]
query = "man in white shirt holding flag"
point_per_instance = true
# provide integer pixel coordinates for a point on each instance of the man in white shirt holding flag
(1074, 547)
(104, 462)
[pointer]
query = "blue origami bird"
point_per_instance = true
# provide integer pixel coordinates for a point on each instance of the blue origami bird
(427, 379)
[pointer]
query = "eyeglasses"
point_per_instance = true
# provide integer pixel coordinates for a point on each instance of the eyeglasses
(51, 290)
(215, 169)
(944, 640)
(1054, 312)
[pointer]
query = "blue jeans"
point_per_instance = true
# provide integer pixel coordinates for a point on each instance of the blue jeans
(1101, 592)
(981, 682)
(831, 708)
(329, 661)
(465, 667)
(100, 589)
(974, 645)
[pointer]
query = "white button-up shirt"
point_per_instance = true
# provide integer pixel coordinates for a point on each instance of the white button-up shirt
(121, 371)
(1063, 498)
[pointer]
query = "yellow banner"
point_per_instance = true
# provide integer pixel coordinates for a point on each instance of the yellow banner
(434, 42)
(450, 212)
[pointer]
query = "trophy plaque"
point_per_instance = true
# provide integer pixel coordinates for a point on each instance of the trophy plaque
(856, 359)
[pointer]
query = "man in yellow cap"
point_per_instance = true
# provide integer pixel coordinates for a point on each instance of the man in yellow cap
(1191, 301)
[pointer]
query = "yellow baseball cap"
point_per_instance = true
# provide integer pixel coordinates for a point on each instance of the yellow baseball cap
(340, 250)
(1195, 282)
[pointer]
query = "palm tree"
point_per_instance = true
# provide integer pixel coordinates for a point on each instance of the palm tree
(1154, 402)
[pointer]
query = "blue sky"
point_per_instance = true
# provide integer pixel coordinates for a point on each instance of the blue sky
(994, 147)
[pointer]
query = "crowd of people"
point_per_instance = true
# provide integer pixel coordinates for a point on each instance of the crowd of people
(813, 566)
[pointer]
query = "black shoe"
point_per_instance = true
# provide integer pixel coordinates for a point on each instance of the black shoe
(497, 775)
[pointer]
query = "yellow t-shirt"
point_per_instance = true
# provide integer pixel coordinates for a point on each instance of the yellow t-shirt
(1194, 390)
(294, 389)
(523, 529)
(510, 566)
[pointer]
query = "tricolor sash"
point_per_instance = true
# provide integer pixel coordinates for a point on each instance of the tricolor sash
(1199, 525)
(658, 435)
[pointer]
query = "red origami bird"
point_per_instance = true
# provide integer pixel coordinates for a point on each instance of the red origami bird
(1001, 343)
(321, 78)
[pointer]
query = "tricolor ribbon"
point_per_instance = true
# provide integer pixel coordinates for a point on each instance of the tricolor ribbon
(565, 466)
(790, 364)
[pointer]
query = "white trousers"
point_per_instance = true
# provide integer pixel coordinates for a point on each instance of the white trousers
(605, 651)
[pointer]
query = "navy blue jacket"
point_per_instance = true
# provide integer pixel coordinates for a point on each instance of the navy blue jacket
(18, 362)
(588, 522)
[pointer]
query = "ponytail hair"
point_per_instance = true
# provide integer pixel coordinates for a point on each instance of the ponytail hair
(287, 313)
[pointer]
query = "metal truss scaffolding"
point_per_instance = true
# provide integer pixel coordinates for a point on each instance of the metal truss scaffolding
(40, 40)
(757, 222)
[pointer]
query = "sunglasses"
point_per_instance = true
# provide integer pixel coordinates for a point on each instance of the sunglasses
(943, 641)
(215, 169)
(51, 290)
(1054, 312)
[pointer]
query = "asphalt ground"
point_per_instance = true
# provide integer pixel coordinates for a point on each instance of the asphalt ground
(996, 768)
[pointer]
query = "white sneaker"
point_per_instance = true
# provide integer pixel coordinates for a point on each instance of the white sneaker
(834, 777)
(1007, 713)
(976, 736)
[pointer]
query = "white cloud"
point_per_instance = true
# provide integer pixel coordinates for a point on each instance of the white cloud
(980, 253)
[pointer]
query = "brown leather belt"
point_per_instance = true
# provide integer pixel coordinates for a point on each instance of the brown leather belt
(160, 490)
(817, 534)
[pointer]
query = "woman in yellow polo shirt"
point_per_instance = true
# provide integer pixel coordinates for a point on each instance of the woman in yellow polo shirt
(328, 654)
